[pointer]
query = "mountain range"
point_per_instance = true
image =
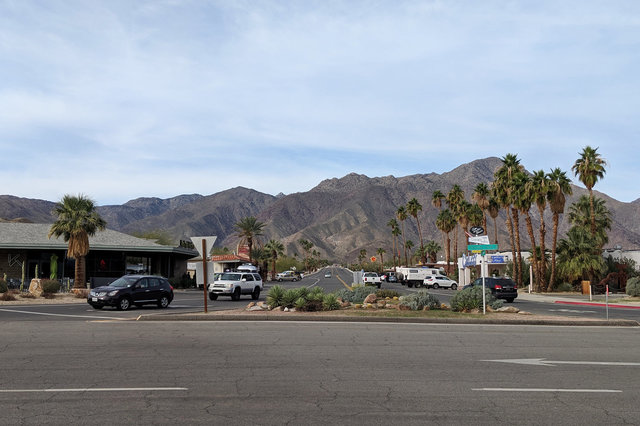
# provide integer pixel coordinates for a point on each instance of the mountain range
(340, 216)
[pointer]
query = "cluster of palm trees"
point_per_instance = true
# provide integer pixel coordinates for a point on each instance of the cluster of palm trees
(515, 192)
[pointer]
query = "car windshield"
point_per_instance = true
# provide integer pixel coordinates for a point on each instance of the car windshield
(123, 282)
(230, 277)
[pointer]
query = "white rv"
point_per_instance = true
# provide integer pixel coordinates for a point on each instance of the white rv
(416, 275)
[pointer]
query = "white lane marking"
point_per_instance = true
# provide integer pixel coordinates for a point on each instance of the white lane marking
(547, 390)
(572, 311)
(549, 363)
(60, 315)
(92, 390)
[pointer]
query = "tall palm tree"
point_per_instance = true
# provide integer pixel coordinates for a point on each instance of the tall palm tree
(437, 197)
(454, 198)
(274, 248)
(77, 220)
(446, 222)
(475, 215)
(559, 187)
(590, 168)
(481, 195)
(413, 208)
(524, 200)
(576, 257)
(381, 252)
(395, 231)
(580, 215)
(539, 189)
(401, 214)
(503, 189)
(249, 230)
(409, 246)
(494, 211)
(432, 248)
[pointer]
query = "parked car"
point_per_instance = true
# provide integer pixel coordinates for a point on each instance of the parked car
(235, 284)
(371, 278)
(392, 279)
(437, 281)
(501, 287)
(130, 290)
(327, 274)
(288, 276)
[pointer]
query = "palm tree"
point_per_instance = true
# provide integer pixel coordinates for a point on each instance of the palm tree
(576, 257)
(393, 224)
(524, 200)
(539, 189)
(413, 207)
(437, 197)
(580, 215)
(381, 252)
(409, 246)
(306, 247)
(590, 168)
(432, 248)
(454, 198)
(401, 214)
(77, 220)
(481, 195)
(559, 186)
(447, 223)
(494, 211)
(475, 215)
(362, 256)
(274, 248)
(249, 229)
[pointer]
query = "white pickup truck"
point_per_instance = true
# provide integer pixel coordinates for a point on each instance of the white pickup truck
(371, 278)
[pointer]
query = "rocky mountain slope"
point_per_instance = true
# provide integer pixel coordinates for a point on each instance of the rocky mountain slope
(340, 216)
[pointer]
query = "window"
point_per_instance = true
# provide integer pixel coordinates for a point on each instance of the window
(249, 277)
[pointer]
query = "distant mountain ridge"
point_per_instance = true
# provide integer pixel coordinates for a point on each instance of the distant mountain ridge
(340, 216)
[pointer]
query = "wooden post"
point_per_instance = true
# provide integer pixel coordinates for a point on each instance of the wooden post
(204, 273)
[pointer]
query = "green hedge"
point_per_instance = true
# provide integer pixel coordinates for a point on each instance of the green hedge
(50, 286)
(420, 300)
(633, 287)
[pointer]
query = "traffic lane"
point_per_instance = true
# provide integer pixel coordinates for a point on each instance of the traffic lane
(183, 302)
(304, 372)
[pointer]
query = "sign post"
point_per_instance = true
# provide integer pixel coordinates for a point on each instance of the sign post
(204, 246)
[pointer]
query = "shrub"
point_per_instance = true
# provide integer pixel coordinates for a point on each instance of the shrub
(471, 298)
(274, 297)
(316, 295)
(7, 297)
(330, 302)
(564, 287)
(497, 304)
(300, 304)
(49, 295)
(357, 295)
(28, 296)
(50, 286)
(382, 294)
(3, 286)
(289, 297)
(418, 301)
(633, 287)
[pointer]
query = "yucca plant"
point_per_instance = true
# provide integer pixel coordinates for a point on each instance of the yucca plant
(330, 302)
(274, 297)
(300, 304)
(289, 297)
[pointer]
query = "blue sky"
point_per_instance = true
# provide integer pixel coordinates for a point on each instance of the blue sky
(123, 99)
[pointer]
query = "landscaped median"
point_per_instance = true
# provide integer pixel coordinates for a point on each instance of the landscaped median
(362, 304)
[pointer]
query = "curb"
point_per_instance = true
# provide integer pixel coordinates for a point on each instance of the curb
(326, 318)
(565, 302)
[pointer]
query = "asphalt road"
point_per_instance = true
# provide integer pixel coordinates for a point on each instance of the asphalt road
(128, 372)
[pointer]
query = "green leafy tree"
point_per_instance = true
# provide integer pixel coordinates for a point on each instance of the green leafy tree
(481, 195)
(576, 257)
(77, 220)
(589, 169)
(307, 246)
(249, 230)
(586, 211)
(362, 255)
(432, 248)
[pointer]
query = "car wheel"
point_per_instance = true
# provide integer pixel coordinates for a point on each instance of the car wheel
(454, 286)
(380, 285)
(124, 304)
(435, 286)
(279, 280)
(236, 294)
(509, 300)
(409, 284)
(213, 296)
(97, 306)
(163, 302)
(294, 280)
(256, 293)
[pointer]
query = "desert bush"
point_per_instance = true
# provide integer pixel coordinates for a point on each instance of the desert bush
(49, 295)
(330, 302)
(316, 295)
(50, 286)
(7, 297)
(633, 287)
(3, 286)
(274, 296)
(418, 301)
(497, 304)
(387, 293)
(289, 297)
(470, 298)
(28, 296)
(564, 287)
(357, 295)
(301, 302)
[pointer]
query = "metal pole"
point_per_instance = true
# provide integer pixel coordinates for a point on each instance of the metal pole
(530, 277)
(607, 302)
(484, 302)
(204, 273)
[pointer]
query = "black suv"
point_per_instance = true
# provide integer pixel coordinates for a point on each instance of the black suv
(130, 290)
(501, 287)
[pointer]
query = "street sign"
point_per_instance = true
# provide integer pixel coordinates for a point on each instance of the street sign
(482, 247)
(208, 245)
(479, 239)
(477, 230)
(373, 258)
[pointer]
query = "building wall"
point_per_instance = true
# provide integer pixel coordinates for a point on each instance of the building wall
(13, 269)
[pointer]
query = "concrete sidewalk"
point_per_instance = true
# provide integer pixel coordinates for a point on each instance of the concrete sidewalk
(618, 300)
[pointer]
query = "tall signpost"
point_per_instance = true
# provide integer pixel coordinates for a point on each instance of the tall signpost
(480, 243)
(204, 246)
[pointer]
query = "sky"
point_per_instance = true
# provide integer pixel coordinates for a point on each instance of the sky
(120, 99)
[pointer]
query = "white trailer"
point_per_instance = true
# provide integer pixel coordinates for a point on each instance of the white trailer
(415, 276)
